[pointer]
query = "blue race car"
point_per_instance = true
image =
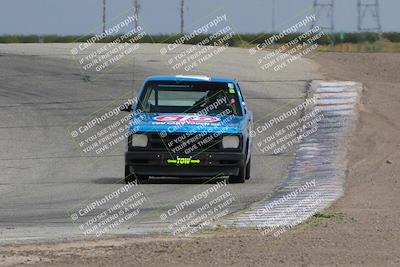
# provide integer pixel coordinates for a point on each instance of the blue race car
(189, 126)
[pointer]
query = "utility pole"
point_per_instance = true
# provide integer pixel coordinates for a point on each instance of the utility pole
(182, 6)
(369, 7)
(136, 9)
(104, 16)
(326, 9)
(273, 16)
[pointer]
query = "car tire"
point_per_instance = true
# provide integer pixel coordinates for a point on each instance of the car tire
(248, 169)
(131, 178)
(239, 179)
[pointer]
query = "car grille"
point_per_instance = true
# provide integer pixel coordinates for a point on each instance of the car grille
(185, 143)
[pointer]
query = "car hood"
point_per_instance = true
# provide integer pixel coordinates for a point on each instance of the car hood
(184, 123)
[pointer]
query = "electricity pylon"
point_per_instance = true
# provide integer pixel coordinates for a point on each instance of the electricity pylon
(273, 16)
(182, 10)
(104, 16)
(324, 11)
(136, 9)
(365, 8)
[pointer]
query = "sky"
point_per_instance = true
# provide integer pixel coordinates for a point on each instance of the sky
(67, 17)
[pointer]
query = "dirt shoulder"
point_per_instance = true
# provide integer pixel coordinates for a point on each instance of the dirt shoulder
(362, 227)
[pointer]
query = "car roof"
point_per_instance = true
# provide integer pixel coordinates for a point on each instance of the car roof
(190, 78)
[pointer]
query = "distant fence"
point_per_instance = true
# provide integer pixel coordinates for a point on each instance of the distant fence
(335, 38)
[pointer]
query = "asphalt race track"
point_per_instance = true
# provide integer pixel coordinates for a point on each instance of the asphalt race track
(43, 175)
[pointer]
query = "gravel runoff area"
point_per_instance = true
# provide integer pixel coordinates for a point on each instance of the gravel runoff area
(361, 229)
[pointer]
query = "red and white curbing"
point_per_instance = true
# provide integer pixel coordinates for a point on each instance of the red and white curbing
(316, 174)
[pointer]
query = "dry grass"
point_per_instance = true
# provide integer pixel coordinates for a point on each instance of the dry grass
(379, 46)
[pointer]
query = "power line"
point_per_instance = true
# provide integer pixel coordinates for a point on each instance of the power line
(323, 9)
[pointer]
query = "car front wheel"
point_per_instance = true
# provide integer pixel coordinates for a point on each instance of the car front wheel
(131, 177)
(239, 179)
(248, 169)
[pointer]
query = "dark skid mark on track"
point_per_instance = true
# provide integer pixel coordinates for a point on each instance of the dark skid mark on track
(159, 180)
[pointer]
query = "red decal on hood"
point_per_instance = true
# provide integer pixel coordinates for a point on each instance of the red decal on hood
(186, 119)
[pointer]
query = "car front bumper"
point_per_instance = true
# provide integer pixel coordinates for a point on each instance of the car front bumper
(206, 164)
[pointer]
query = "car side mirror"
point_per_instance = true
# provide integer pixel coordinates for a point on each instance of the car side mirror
(126, 108)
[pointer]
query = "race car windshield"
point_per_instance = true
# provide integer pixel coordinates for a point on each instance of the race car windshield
(207, 98)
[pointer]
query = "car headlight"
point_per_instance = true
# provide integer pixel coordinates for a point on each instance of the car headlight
(139, 140)
(230, 141)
